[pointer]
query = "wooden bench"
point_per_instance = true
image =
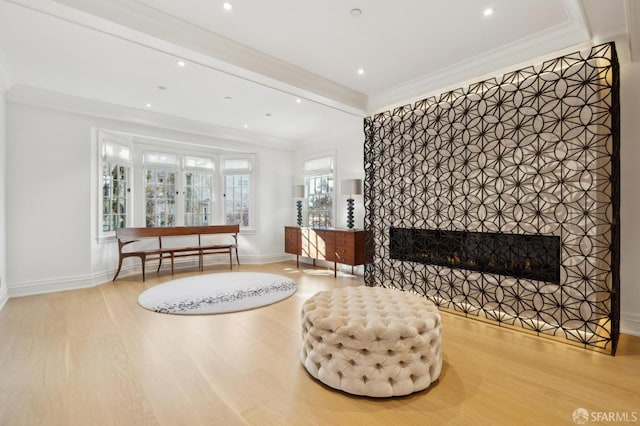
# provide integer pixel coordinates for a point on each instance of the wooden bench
(159, 252)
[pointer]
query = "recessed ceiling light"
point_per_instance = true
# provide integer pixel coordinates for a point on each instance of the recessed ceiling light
(227, 98)
(355, 12)
(360, 71)
(298, 100)
(162, 87)
(488, 12)
(227, 5)
(268, 114)
(181, 63)
(246, 126)
(148, 105)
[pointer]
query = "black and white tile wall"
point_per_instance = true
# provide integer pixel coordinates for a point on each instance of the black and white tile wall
(535, 152)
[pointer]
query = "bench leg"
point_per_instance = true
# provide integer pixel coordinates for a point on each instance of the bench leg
(159, 263)
(119, 267)
(230, 261)
(142, 260)
(237, 258)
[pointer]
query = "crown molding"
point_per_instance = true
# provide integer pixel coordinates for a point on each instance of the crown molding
(41, 98)
(571, 33)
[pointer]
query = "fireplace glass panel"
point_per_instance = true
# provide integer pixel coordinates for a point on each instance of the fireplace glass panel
(535, 257)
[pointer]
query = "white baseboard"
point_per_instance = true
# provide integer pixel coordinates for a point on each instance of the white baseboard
(29, 288)
(4, 296)
(630, 324)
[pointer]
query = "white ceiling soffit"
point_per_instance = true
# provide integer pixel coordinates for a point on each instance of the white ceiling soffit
(610, 21)
(414, 47)
(46, 51)
(215, 135)
(136, 22)
(269, 53)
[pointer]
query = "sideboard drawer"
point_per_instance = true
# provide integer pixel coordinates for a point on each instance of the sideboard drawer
(345, 238)
(292, 240)
(345, 255)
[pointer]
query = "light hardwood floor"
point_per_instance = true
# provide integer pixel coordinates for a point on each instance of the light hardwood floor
(94, 357)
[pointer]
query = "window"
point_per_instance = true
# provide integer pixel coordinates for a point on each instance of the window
(115, 187)
(237, 191)
(145, 182)
(319, 188)
(198, 190)
(160, 189)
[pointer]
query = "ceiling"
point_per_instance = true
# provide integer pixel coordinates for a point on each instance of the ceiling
(286, 71)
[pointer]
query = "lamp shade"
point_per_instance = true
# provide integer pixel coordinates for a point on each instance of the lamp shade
(351, 187)
(298, 191)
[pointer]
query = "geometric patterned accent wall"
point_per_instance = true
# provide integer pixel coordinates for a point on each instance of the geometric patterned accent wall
(534, 152)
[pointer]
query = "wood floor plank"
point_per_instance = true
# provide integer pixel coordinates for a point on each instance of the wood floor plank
(94, 356)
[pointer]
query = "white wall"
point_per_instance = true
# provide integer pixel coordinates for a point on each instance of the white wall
(274, 195)
(52, 198)
(48, 201)
(630, 197)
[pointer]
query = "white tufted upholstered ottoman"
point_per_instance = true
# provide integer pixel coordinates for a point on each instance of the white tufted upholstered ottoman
(371, 341)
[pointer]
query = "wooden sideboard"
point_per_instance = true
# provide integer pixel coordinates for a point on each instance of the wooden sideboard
(344, 246)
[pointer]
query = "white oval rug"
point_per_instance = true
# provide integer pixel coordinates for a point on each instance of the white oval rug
(217, 293)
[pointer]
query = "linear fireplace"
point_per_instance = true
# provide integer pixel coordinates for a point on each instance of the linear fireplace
(536, 257)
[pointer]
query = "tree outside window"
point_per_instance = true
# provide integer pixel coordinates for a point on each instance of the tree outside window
(320, 200)
(237, 191)
(197, 198)
(319, 189)
(237, 200)
(160, 197)
(198, 190)
(115, 189)
(115, 186)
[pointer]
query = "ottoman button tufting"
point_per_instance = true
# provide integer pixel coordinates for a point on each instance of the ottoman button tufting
(383, 342)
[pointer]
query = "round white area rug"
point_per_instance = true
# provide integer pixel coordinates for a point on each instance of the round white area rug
(217, 293)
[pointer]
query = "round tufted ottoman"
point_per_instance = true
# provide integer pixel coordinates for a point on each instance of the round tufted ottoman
(371, 341)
